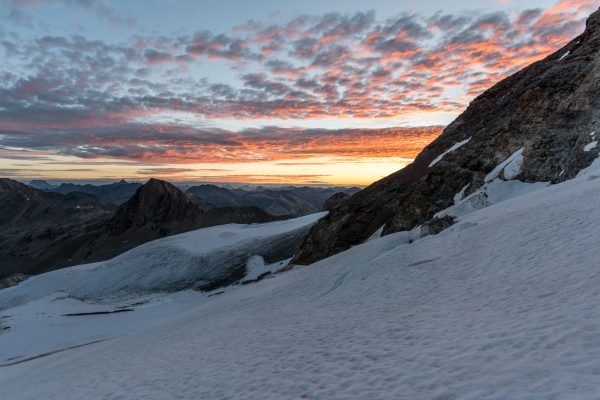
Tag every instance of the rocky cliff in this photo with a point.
(547, 115)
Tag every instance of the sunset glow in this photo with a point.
(342, 96)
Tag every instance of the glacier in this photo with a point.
(503, 304)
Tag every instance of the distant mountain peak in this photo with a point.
(159, 202)
(41, 184)
(159, 186)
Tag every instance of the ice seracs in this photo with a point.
(494, 192)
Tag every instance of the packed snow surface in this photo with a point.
(450, 150)
(505, 304)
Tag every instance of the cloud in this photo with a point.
(334, 65)
(85, 97)
(164, 171)
(271, 179)
(19, 8)
(175, 144)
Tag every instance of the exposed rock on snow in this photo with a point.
(437, 225)
(12, 280)
(376, 234)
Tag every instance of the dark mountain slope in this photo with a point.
(38, 228)
(550, 109)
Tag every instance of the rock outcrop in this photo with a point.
(335, 200)
(549, 111)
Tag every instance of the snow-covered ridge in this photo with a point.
(193, 259)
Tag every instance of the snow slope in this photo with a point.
(503, 305)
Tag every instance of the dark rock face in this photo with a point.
(156, 203)
(550, 109)
(335, 200)
(38, 228)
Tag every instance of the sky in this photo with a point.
(316, 92)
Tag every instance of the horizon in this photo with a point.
(320, 94)
(58, 182)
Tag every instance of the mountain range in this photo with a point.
(41, 231)
(289, 201)
(293, 201)
(115, 193)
